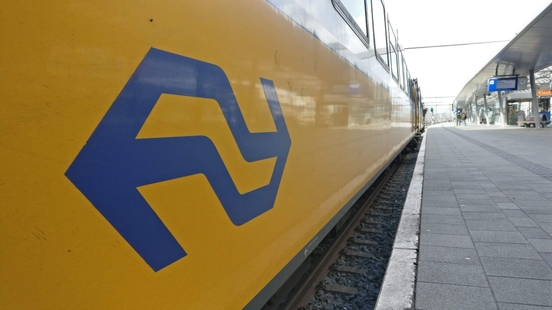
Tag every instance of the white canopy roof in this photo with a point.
(531, 49)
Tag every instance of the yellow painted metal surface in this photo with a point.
(62, 65)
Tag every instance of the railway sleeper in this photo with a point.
(384, 202)
(341, 289)
(370, 231)
(359, 254)
(383, 208)
(369, 222)
(365, 242)
(353, 270)
(380, 214)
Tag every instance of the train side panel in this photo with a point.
(133, 134)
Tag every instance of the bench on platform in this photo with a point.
(533, 123)
(526, 123)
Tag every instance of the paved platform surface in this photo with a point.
(486, 219)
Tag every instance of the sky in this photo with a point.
(443, 72)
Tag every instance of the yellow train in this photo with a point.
(187, 154)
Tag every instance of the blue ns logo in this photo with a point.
(113, 163)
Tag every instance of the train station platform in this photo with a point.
(485, 233)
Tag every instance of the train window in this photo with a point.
(380, 31)
(393, 53)
(354, 14)
(401, 66)
(408, 81)
(404, 75)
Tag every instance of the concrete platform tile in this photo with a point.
(434, 170)
(433, 272)
(504, 225)
(537, 210)
(500, 177)
(541, 218)
(533, 233)
(472, 196)
(454, 241)
(517, 188)
(455, 165)
(522, 291)
(541, 245)
(434, 161)
(448, 229)
(439, 196)
(525, 192)
(543, 189)
(484, 216)
(529, 195)
(547, 257)
(441, 211)
(547, 227)
(507, 250)
(438, 187)
(484, 181)
(533, 180)
(443, 219)
(498, 237)
(462, 178)
(540, 187)
(479, 208)
(458, 172)
(515, 213)
(469, 191)
(431, 296)
(532, 203)
(477, 202)
(516, 268)
(432, 193)
(435, 181)
(505, 181)
(440, 204)
(501, 199)
(507, 205)
(505, 306)
(470, 184)
(448, 255)
(435, 174)
(523, 222)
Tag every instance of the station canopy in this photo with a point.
(530, 50)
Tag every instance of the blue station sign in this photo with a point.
(502, 84)
(505, 84)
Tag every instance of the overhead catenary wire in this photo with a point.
(449, 45)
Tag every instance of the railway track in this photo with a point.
(347, 269)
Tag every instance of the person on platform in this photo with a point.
(458, 118)
(463, 116)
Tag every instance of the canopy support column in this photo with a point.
(535, 105)
(486, 114)
(502, 108)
